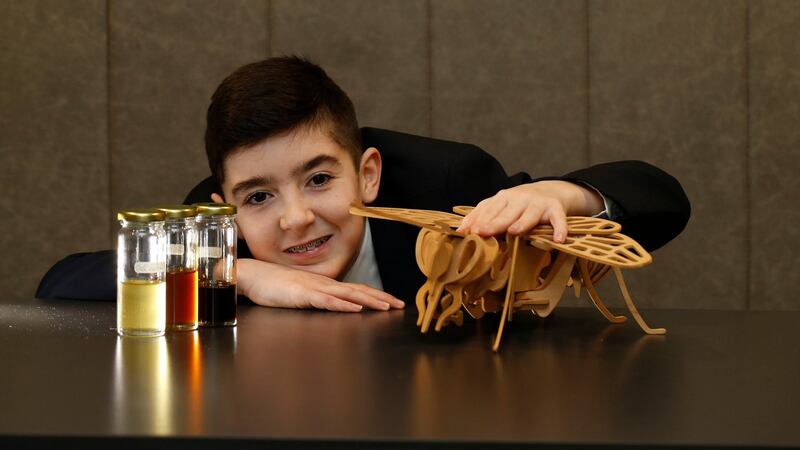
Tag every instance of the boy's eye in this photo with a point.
(320, 179)
(257, 198)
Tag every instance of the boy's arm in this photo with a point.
(649, 203)
(92, 276)
(274, 285)
(522, 207)
(652, 206)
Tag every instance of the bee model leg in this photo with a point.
(509, 294)
(451, 303)
(433, 254)
(587, 282)
(423, 294)
(545, 298)
(632, 308)
(434, 297)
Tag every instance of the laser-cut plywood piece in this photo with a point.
(512, 273)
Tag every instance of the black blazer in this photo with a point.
(426, 173)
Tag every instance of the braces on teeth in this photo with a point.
(311, 245)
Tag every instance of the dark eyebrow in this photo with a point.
(248, 184)
(312, 163)
(315, 162)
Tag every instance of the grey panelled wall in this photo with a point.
(103, 107)
(511, 78)
(774, 114)
(53, 136)
(376, 50)
(667, 85)
(165, 60)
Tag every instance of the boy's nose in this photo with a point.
(296, 215)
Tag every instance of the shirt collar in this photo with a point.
(365, 268)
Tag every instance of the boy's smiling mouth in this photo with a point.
(309, 246)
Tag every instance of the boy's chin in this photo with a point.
(325, 269)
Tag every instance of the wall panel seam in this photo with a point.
(269, 28)
(429, 30)
(747, 159)
(588, 81)
(109, 130)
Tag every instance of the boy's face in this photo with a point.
(293, 193)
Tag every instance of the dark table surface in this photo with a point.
(370, 380)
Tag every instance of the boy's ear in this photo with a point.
(216, 198)
(369, 174)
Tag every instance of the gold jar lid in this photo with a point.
(215, 209)
(141, 215)
(178, 211)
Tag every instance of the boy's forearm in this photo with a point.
(244, 276)
(578, 200)
(249, 273)
(592, 201)
(651, 204)
(270, 284)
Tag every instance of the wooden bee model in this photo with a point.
(512, 273)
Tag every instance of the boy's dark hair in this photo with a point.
(276, 95)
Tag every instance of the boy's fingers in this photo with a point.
(465, 222)
(384, 298)
(469, 219)
(393, 301)
(502, 221)
(331, 303)
(529, 219)
(367, 300)
(351, 293)
(558, 219)
(483, 213)
(378, 295)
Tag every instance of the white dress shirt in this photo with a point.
(365, 269)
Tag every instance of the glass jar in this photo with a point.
(141, 272)
(181, 231)
(216, 264)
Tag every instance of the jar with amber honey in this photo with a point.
(181, 232)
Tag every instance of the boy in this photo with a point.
(284, 147)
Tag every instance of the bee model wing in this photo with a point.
(616, 250)
(593, 239)
(575, 224)
(463, 210)
(433, 220)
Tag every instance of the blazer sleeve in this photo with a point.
(654, 208)
(86, 276)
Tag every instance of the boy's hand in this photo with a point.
(518, 209)
(271, 284)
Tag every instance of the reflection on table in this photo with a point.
(158, 382)
(718, 378)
